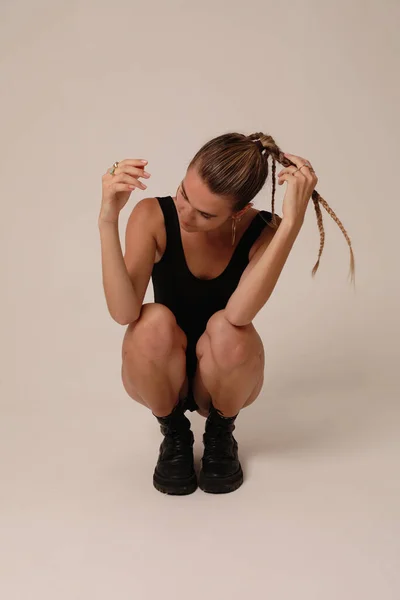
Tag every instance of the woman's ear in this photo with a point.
(242, 212)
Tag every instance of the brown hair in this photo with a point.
(232, 165)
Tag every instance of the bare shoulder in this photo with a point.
(147, 208)
(265, 237)
(147, 213)
(146, 216)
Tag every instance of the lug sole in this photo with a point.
(175, 487)
(221, 485)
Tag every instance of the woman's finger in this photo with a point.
(136, 172)
(124, 187)
(124, 178)
(289, 170)
(285, 177)
(297, 160)
(133, 162)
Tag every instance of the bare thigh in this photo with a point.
(203, 397)
(130, 337)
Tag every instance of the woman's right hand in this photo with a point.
(117, 188)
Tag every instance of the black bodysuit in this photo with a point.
(193, 300)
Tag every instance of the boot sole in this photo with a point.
(222, 485)
(178, 487)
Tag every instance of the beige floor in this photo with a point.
(317, 516)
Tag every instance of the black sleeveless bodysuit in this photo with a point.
(193, 300)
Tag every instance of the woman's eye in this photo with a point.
(183, 196)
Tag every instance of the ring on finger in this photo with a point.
(305, 165)
(115, 165)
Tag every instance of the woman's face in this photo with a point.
(199, 209)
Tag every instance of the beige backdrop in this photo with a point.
(88, 83)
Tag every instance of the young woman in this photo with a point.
(214, 261)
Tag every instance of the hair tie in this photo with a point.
(260, 145)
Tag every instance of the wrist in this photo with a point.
(291, 223)
(107, 222)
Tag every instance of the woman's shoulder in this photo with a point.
(152, 214)
(267, 232)
(155, 214)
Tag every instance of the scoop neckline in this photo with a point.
(228, 266)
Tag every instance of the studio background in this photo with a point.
(87, 83)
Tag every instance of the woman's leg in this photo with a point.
(230, 369)
(154, 374)
(229, 376)
(154, 360)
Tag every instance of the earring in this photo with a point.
(234, 230)
(237, 218)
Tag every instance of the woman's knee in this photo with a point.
(155, 334)
(232, 346)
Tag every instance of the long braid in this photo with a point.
(317, 199)
(321, 231)
(278, 156)
(274, 222)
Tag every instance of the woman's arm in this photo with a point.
(122, 302)
(261, 275)
(125, 279)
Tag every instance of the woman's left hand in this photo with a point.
(300, 187)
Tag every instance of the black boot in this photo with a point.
(174, 472)
(221, 470)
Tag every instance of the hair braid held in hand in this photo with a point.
(232, 165)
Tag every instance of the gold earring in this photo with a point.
(233, 230)
(234, 219)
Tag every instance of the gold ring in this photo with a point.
(115, 165)
(307, 164)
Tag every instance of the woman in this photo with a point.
(214, 261)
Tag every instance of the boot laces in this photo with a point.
(177, 438)
(219, 441)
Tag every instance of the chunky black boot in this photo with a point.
(174, 472)
(221, 470)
